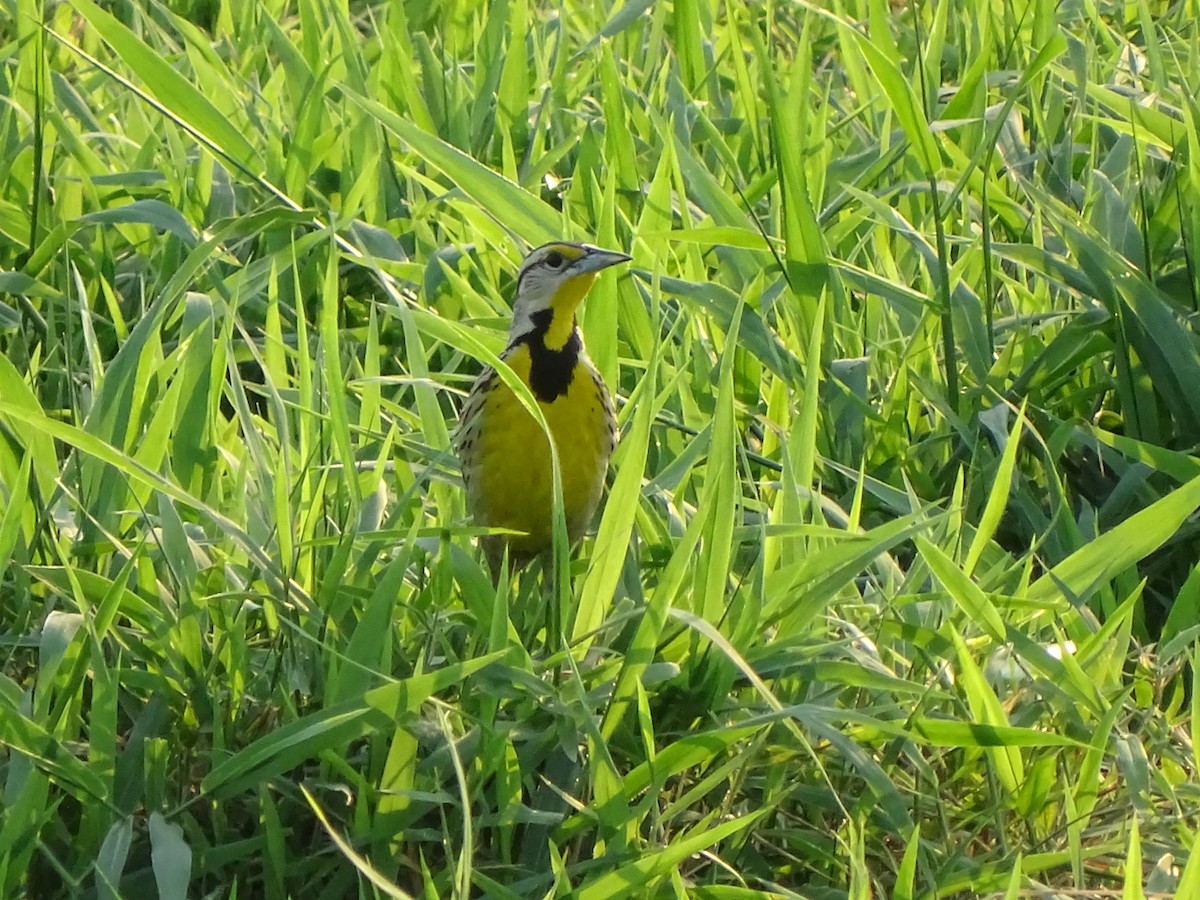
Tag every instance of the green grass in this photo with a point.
(895, 593)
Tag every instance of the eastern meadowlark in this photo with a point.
(504, 453)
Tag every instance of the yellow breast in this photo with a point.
(506, 458)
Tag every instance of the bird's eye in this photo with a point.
(554, 260)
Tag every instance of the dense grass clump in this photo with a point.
(895, 592)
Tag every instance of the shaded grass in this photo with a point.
(906, 373)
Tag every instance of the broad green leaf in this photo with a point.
(171, 858)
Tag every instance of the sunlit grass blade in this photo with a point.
(1089, 567)
(361, 863)
(616, 526)
(970, 598)
(253, 255)
(523, 213)
(646, 871)
(1006, 760)
(178, 96)
(333, 727)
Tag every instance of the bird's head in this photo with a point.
(551, 282)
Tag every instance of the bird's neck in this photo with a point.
(552, 331)
(558, 331)
(556, 324)
(551, 367)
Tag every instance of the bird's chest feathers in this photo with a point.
(551, 368)
(571, 396)
(510, 457)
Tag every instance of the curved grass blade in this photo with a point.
(518, 210)
(333, 727)
(182, 100)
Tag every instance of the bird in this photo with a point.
(503, 451)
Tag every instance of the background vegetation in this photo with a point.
(896, 592)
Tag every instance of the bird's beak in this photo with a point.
(596, 259)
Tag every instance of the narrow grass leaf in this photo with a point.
(1013, 891)
(360, 862)
(365, 653)
(993, 511)
(1094, 564)
(16, 522)
(616, 526)
(803, 244)
(985, 707)
(897, 87)
(154, 213)
(712, 235)
(907, 873)
(110, 861)
(333, 727)
(1180, 466)
(31, 740)
(968, 595)
(1189, 879)
(639, 875)
(181, 99)
(40, 447)
(1133, 863)
(510, 204)
(723, 304)
(948, 733)
(331, 367)
(718, 504)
